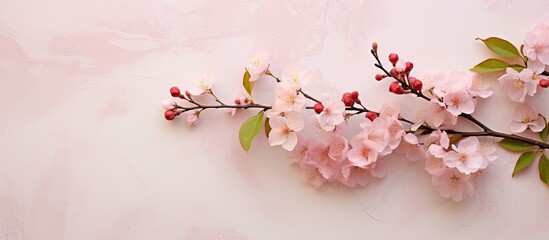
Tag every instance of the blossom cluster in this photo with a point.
(453, 158)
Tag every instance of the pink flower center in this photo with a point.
(519, 84)
(454, 181)
(463, 157)
(538, 47)
(286, 131)
(290, 99)
(365, 152)
(456, 100)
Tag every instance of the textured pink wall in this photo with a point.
(86, 154)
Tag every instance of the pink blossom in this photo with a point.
(456, 81)
(395, 130)
(438, 143)
(319, 157)
(459, 101)
(410, 148)
(353, 176)
(378, 168)
(301, 151)
(390, 110)
(287, 99)
(376, 132)
(258, 65)
(295, 77)
(311, 175)
(332, 115)
(453, 184)
(363, 151)
(488, 151)
(338, 147)
(479, 88)
(526, 116)
(203, 85)
(434, 164)
(284, 130)
(436, 115)
(517, 85)
(192, 117)
(537, 67)
(168, 104)
(536, 43)
(465, 156)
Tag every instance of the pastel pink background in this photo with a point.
(86, 154)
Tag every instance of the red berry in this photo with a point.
(318, 107)
(374, 45)
(371, 115)
(409, 66)
(393, 58)
(237, 101)
(354, 95)
(170, 115)
(544, 83)
(395, 88)
(380, 77)
(417, 84)
(175, 92)
(346, 95)
(394, 72)
(348, 101)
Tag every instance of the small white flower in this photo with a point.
(283, 130)
(203, 85)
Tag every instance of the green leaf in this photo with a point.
(524, 161)
(501, 47)
(249, 86)
(543, 133)
(543, 167)
(267, 127)
(517, 67)
(515, 146)
(249, 129)
(490, 65)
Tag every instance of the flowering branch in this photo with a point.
(406, 88)
(454, 158)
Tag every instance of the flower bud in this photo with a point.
(188, 94)
(371, 116)
(168, 104)
(380, 77)
(175, 92)
(348, 101)
(394, 72)
(395, 88)
(374, 45)
(237, 101)
(318, 107)
(393, 58)
(354, 95)
(409, 66)
(544, 83)
(170, 115)
(416, 84)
